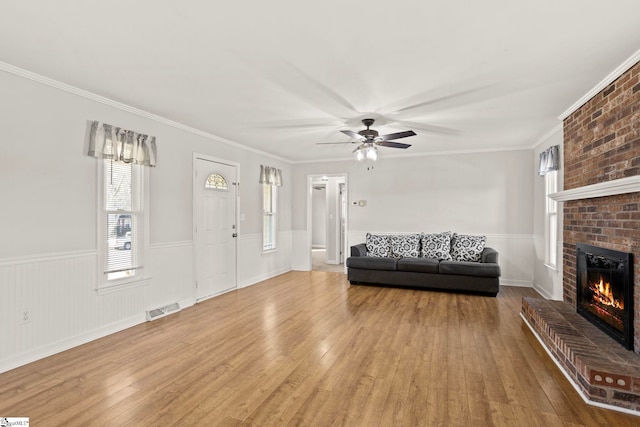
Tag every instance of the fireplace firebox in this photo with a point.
(605, 290)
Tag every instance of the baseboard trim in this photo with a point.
(257, 279)
(517, 283)
(300, 267)
(543, 292)
(69, 343)
(188, 302)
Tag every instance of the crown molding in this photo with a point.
(21, 72)
(622, 68)
(602, 189)
(542, 139)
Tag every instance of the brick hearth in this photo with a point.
(600, 368)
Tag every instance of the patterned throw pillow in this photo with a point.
(405, 246)
(378, 246)
(467, 248)
(437, 246)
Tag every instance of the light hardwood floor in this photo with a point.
(306, 348)
(318, 257)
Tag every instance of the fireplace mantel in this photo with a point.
(610, 188)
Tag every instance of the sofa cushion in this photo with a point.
(405, 245)
(372, 263)
(467, 248)
(378, 245)
(437, 246)
(420, 265)
(463, 268)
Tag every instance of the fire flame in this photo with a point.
(602, 294)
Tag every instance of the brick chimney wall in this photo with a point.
(602, 143)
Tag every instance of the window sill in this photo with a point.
(551, 267)
(269, 251)
(122, 286)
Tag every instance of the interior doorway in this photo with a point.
(327, 222)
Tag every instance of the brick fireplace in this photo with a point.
(602, 144)
(601, 198)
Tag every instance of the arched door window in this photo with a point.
(215, 181)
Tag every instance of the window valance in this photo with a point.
(270, 175)
(549, 160)
(121, 145)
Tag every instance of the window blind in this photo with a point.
(123, 219)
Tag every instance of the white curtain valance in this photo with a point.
(549, 160)
(121, 145)
(270, 175)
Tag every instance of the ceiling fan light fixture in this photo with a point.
(369, 139)
(372, 153)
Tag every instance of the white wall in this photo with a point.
(319, 219)
(48, 219)
(474, 193)
(547, 281)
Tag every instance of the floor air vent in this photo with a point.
(157, 313)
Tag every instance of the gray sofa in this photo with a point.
(417, 272)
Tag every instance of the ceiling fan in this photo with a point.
(371, 136)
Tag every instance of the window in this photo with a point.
(123, 222)
(551, 226)
(269, 203)
(216, 181)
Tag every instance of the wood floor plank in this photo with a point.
(305, 349)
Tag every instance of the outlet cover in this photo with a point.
(25, 315)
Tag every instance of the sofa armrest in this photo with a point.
(489, 255)
(359, 250)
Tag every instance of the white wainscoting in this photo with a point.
(254, 265)
(173, 275)
(66, 311)
(547, 280)
(516, 258)
(301, 255)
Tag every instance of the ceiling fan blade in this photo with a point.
(397, 135)
(461, 97)
(325, 89)
(428, 128)
(298, 124)
(345, 142)
(302, 85)
(393, 144)
(353, 134)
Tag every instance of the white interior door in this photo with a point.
(215, 234)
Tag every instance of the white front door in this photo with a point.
(215, 234)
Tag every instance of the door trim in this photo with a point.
(194, 221)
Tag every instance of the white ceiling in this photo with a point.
(283, 75)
